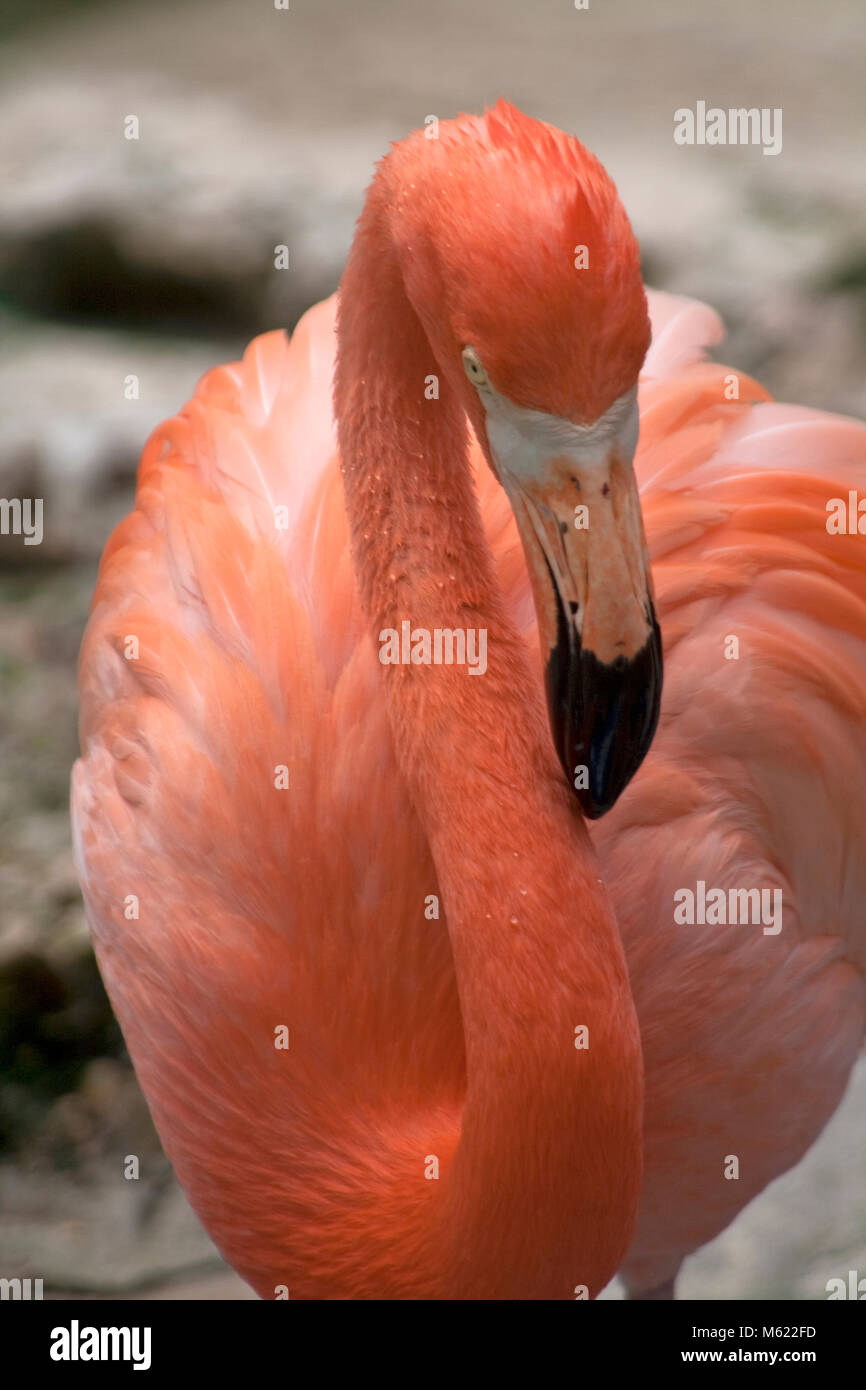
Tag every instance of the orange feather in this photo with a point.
(224, 906)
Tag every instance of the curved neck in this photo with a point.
(540, 1194)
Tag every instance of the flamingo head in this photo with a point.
(521, 264)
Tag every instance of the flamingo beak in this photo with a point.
(582, 531)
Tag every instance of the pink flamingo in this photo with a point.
(348, 913)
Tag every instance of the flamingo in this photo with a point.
(389, 999)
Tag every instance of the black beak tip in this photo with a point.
(603, 717)
(593, 805)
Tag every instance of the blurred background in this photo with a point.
(154, 258)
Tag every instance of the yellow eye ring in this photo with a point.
(473, 368)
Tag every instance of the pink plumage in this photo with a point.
(235, 579)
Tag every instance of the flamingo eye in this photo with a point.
(473, 368)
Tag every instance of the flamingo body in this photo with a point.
(252, 858)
